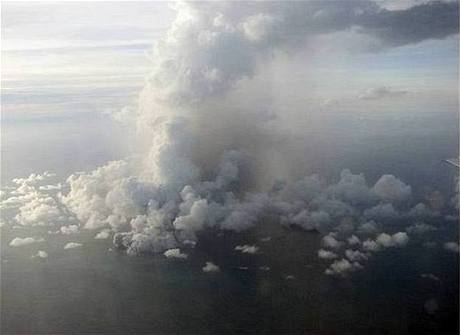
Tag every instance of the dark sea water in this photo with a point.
(93, 290)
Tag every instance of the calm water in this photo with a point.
(98, 291)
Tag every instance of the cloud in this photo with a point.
(382, 212)
(353, 240)
(19, 242)
(73, 245)
(190, 174)
(206, 42)
(421, 211)
(102, 235)
(342, 267)
(396, 240)
(175, 253)
(431, 20)
(247, 249)
(390, 188)
(352, 188)
(368, 228)
(210, 267)
(355, 255)
(40, 254)
(452, 246)
(370, 245)
(381, 92)
(68, 230)
(50, 187)
(325, 254)
(420, 228)
(329, 241)
(36, 207)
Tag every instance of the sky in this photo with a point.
(61, 52)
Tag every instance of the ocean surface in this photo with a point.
(97, 290)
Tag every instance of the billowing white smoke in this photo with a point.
(160, 198)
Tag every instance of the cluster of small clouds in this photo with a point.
(36, 201)
(356, 252)
(145, 217)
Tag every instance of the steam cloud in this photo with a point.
(183, 180)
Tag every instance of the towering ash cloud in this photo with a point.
(161, 198)
(195, 165)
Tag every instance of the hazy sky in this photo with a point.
(58, 53)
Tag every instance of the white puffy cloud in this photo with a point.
(330, 241)
(390, 188)
(210, 267)
(395, 240)
(247, 249)
(370, 245)
(39, 210)
(19, 242)
(383, 211)
(258, 27)
(368, 228)
(35, 205)
(73, 245)
(420, 211)
(353, 240)
(175, 253)
(40, 254)
(102, 235)
(68, 230)
(326, 254)
(355, 255)
(342, 267)
(352, 188)
(50, 187)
